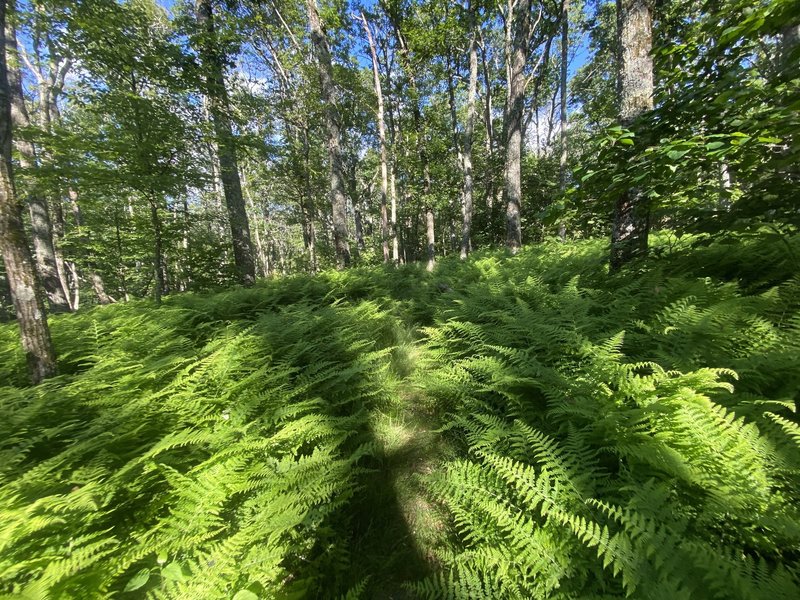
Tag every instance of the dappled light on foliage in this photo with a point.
(601, 435)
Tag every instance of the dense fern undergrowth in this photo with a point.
(627, 435)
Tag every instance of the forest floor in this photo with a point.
(298, 439)
(400, 527)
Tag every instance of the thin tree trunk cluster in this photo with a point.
(19, 265)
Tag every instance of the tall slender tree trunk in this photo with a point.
(635, 85)
(158, 259)
(396, 256)
(382, 140)
(518, 56)
(430, 229)
(472, 89)
(97, 281)
(42, 227)
(489, 188)
(451, 92)
(393, 217)
(359, 230)
(28, 305)
(308, 208)
(58, 235)
(338, 194)
(430, 238)
(219, 107)
(259, 246)
(5, 299)
(562, 228)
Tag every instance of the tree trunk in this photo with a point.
(5, 298)
(42, 227)
(518, 55)
(100, 289)
(261, 269)
(97, 280)
(219, 107)
(158, 270)
(451, 92)
(487, 117)
(487, 107)
(396, 256)
(28, 304)
(393, 218)
(430, 234)
(376, 77)
(309, 203)
(359, 225)
(338, 194)
(58, 235)
(635, 85)
(562, 228)
(466, 241)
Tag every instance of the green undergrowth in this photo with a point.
(504, 427)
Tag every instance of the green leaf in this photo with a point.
(174, 572)
(677, 154)
(245, 595)
(626, 142)
(714, 145)
(137, 581)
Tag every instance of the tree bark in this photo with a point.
(430, 234)
(58, 235)
(308, 208)
(382, 140)
(489, 190)
(451, 92)
(28, 305)
(97, 281)
(472, 89)
(338, 195)
(42, 227)
(158, 270)
(635, 85)
(219, 107)
(562, 228)
(518, 56)
(396, 256)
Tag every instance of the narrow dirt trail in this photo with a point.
(403, 526)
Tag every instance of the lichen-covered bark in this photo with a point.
(635, 86)
(28, 304)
